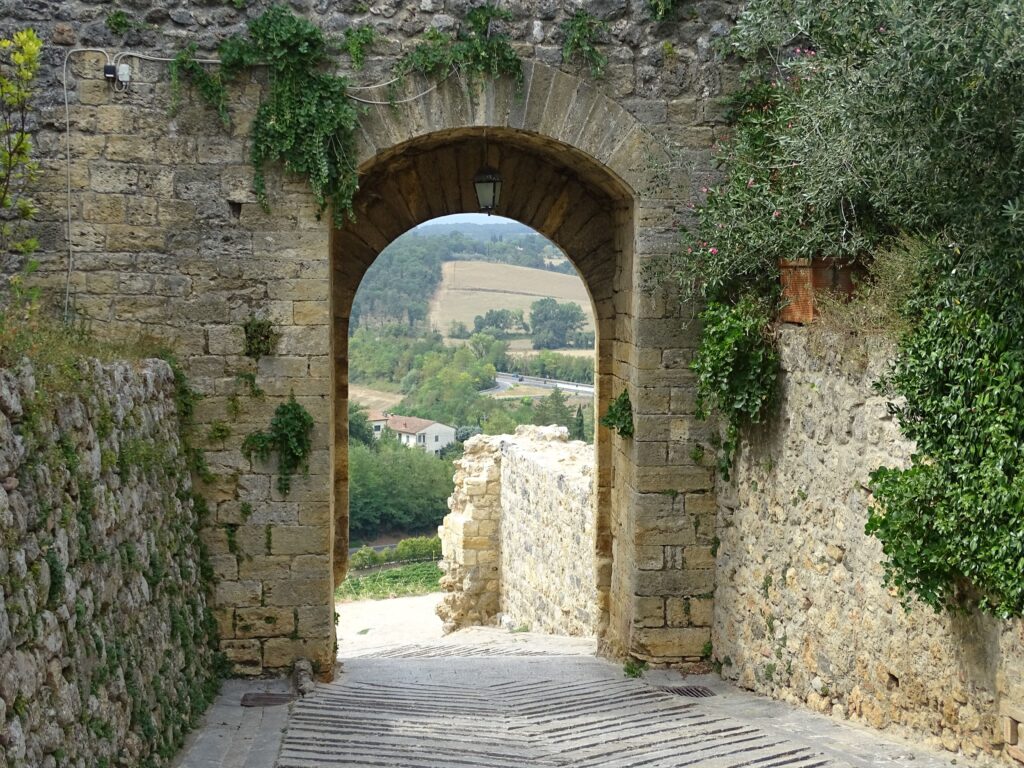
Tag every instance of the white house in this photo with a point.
(422, 433)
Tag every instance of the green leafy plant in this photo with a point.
(879, 119)
(619, 415)
(306, 120)
(661, 9)
(476, 51)
(580, 32)
(118, 22)
(290, 435)
(249, 381)
(19, 65)
(634, 668)
(260, 339)
(219, 432)
(736, 368)
(210, 85)
(357, 41)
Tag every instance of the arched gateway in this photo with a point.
(170, 241)
(580, 169)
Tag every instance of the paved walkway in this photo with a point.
(486, 698)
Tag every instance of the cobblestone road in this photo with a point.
(489, 699)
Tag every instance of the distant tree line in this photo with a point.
(444, 383)
(552, 325)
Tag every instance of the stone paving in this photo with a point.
(492, 699)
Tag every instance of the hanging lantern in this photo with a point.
(488, 189)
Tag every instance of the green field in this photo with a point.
(401, 581)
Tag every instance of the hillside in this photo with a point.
(470, 288)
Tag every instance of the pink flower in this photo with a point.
(750, 182)
(704, 190)
(776, 214)
(713, 251)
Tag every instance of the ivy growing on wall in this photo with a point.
(307, 121)
(290, 436)
(476, 51)
(861, 122)
(581, 31)
(619, 416)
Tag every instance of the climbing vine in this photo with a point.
(260, 337)
(581, 31)
(290, 435)
(736, 368)
(357, 41)
(307, 121)
(476, 51)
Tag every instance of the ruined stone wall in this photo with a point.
(470, 542)
(519, 545)
(800, 610)
(105, 654)
(548, 535)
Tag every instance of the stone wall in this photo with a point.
(519, 545)
(800, 610)
(548, 536)
(105, 636)
(169, 241)
(470, 538)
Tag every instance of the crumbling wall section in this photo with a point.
(519, 545)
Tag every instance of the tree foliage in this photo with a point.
(396, 488)
(554, 324)
(863, 122)
(359, 428)
(19, 64)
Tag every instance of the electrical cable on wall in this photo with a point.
(120, 79)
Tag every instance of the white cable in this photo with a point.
(375, 85)
(398, 101)
(67, 157)
(122, 87)
(147, 57)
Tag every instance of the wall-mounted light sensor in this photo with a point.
(109, 72)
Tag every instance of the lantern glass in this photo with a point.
(488, 189)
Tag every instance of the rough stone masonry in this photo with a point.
(801, 612)
(519, 544)
(106, 651)
(169, 241)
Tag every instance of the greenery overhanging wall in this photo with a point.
(877, 132)
(307, 120)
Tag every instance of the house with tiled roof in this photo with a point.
(431, 436)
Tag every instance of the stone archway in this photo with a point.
(578, 168)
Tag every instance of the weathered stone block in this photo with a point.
(264, 621)
(670, 643)
(238, 593)
(297, 592)
(299, 540)
(674, 583)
